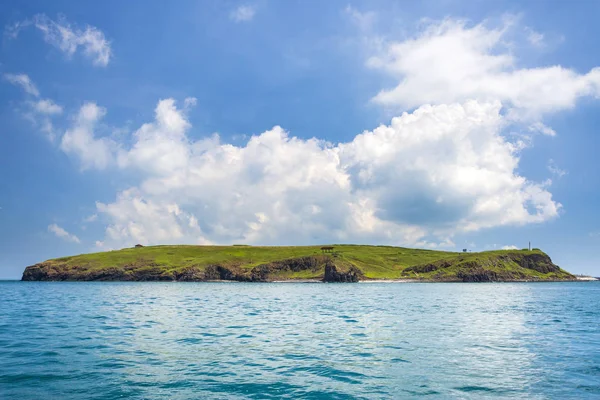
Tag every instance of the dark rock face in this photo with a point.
(490, 269)
(51, 272)
(191, 274)
(478, 275)
(429, 267)
(153, 272)
(35, 273)
(109, 274)
(150, 273)
(537, 262)
(262, 272)
(333, 275)
(220, 273)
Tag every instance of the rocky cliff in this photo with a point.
(345, 264)
(324, 265)
(512, 266)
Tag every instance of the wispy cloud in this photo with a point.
(47, 106)
(534, 38)
(63, 234)
(37, 111)
(24, 82)
(555, 170)
(67, 38)
(12, 31)
(539, 127)
(243, 13)
(91, 218)
(364, 20)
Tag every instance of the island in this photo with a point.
(330, 263)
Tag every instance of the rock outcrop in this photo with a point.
(55, 272)
(512, 266)
(430, 267)
(265, 272)
(220, 273)
(37, 272)
(536, 261)
(47, 271)
(333, 274)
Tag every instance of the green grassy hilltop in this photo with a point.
(268, 263)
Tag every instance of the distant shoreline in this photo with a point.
(368, 281)
(587, 278)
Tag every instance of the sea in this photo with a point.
(103, 340)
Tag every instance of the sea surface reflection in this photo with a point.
(286, 340)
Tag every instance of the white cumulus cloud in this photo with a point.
(430, 174)
(80, 140)
(450, 61)
(63, 234)
(444, 168)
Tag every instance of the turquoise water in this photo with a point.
(314, 341)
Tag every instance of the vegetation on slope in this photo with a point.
(268, 263)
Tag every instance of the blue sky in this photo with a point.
(443, 124)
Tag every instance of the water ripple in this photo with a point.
(309, 341)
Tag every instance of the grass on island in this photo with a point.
(376, 262)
